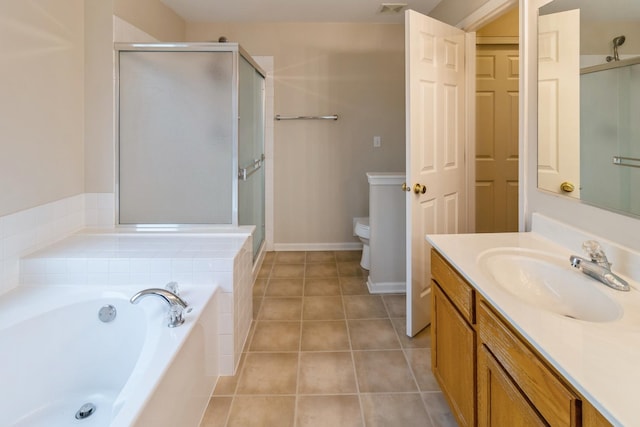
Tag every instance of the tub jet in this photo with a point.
(85, 411)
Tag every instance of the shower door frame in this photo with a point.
(236, 50)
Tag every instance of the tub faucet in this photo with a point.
(176, 304)
(598, 267)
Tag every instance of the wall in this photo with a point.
(615, 227)
(353, 70)
(152, 17)
(596, 40)
(507, 25)
(99, 101)
(41, 102)
(454, 11)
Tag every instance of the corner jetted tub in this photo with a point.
(61, 365)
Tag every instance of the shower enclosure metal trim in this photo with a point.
(236, 52)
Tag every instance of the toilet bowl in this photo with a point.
(363, 232)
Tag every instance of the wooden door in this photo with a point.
(497, 76)
(436, 131)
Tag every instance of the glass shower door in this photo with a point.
(251, 177)
(175, 137)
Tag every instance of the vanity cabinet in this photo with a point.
(453, 337)
(489, 374)
(523, 385)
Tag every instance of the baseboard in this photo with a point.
(386, 287)
(350, 246)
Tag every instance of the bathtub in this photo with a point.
(56, 355)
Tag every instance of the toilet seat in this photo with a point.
(362, 228)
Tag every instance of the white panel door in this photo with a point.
(436, 132)
(559, 93)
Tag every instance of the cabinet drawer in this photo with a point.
(460, 293)
(555, 401)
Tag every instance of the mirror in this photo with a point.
(589, 102)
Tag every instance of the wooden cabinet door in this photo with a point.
(500, 402)
(453, 357)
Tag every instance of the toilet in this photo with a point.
(363, 232)
(383, 234)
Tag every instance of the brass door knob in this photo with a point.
(419, 189)
(567, 187)
(405, 187)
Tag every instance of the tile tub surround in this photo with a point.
(324, 352)
(152, 259)
(29, 230)
(598, 359)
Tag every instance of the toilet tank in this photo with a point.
(387, 219)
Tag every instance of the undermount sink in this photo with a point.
(549, 283)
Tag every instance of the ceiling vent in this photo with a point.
(392, 7)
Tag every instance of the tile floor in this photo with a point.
(322, 351)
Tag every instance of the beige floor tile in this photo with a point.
(324, 336)
(321, 269)
(421, 340)
(420, 363)
(265, 271)
(269, 257)
(284, 287)
(322, 286)
(322, 308)
(328, 411)
(226, 386)
(321, 346)
(290, 257)
(396, 305)
(348, 256)
(320, 256)
(372, 334)
(364, 307)
(276, 336)
(259, 286)
(268, 373)
(257, 304)
(354, 286)
(438, 410)
(281, 308)
(392, 410)
(383, 371)
(262, 411)
(287, 271)
(326, 373)
(350, 268)
(217, 412)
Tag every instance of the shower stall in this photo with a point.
(190, 150)
(610, 135)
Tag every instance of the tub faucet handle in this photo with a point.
(173, 287)
(175, 316)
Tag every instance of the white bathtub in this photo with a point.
(56, 355)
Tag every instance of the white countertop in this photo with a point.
(601, 360)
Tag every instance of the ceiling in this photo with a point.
(294, 10)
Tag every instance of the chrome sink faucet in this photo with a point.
(598, 267)
(176, 304)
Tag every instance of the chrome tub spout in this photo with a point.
(176, 304)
